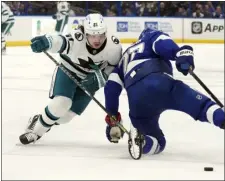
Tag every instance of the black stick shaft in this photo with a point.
(206, 88)
(64, 69)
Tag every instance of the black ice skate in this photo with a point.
(30, 137)
(135, 143)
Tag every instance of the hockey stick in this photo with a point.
(64, 69)
(205, 87)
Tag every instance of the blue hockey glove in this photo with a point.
(113, 132)
(40, 43)
(185, 59)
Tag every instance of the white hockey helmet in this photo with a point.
(94, 24)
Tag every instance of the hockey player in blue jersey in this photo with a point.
(146, 73)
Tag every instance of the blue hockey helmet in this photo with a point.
(144, 32)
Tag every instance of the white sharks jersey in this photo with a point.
(77, 56)
(7, 15)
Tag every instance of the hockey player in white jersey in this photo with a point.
(84, 48)
(7, 23)
(61, 16)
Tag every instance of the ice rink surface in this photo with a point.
(80, 150)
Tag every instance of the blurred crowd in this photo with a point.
(202, 9)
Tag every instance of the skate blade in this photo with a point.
(135, 143)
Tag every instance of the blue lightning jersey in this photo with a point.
(151, 54)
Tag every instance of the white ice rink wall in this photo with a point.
(127, 29)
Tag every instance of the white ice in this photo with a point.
(80, 150)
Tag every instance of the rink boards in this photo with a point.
(127, 29)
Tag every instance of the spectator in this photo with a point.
(110, 13)
(153, 10)
(197, 14)
(128, 12)
(207, 13)
(181, 12)
(141, 9)
(22, 9)
(162, 9)
(211, 7)
(113, 10)
(172, 8)
(15, 7)
(218, 13)
(138, 5)
(200, 8)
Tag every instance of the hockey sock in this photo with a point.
(213, 114)
(152, 146)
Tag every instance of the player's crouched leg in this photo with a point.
(40, 124)
(152, 145)
(154, 139)
(197, 105)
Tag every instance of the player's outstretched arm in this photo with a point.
(52, 43)
(167, 49)
(112, 91)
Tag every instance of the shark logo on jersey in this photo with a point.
(79, 36)
(86, 63)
